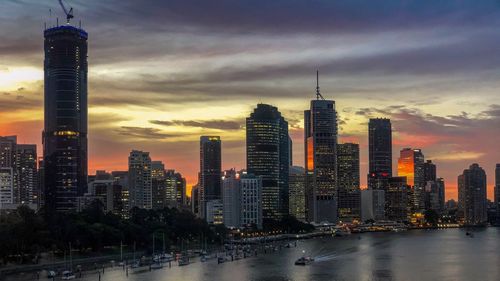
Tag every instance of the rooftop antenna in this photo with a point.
(318, 94)
(69, 14)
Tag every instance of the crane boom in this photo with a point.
(69, 14)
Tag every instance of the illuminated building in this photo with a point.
(411, 166)
(176, 189)
(65, 119)
(158, 185)
(472, 195)
(121, 190)
(297, 193)
(210, 171)
(215, 212)
(26, 173)
(140, 183)
(380, 152)
(398, 199)
(320, 151)
(434, 195)
(6, 187)
(348, 181)
(107, 190)
(267, 153)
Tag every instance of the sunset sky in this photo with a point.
(162, 73)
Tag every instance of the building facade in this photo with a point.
(372, 204)
(65, 118)
(267, 155)
(379, 152)
(348, 181)
(320, 151)
(210, 171)
(297, 192)
(472, 195)
(140, 181)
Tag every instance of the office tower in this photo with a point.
(195, 199)
(429, 171)
(297, 192)
(231, 198)
(6, 187)
(497, 192)
(472, 195)
(214, 211)
(348, 181)
(434, 195)
(320, 151)
(8, 146)
(397, 199)
(175, 186)
(411, 166)
(380, 152)
(267, 149)
(65, 119)
(210, 171)
(102, 185)
(251, 200)
(158, 185)
(372, 204)
(26, 173)
(121, 183)
(140, 183)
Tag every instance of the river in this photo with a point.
(442, 255)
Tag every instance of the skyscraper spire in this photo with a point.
(318, 94)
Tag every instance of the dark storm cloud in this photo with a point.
(208, 124)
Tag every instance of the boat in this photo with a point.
(68, 275)
(221, 260)
(157, 265)
(183, 261)
(304, 261)
(51, 274)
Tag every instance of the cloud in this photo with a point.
(144, 133)
(207, 124)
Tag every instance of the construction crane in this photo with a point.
(69, 14)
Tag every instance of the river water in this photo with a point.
(413, 255)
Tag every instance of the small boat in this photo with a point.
(51, 274)
(183, 261)
(304, 261)
(221, 260)
(135, 264)
(68, 275)
(156, 265)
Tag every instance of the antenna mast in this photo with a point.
(69, 14)
(318, 94)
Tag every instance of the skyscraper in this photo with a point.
(158, 185)
(140, 182)
(26, 171)
(380, 152)
(472, 195)
(267, 147)
(65, 128)
(297, 193)
(320, 151)
(210, 171)
(429, 171)
(348, 181)
(397, 199)
(411, 166)
(6, 187)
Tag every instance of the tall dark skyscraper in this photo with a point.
(320, 151)
(380, 152)
(472, 195)
(65, 131)
(429, 171)
(268, 156)
(348, 181)
(210, 171)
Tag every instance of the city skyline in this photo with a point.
(168, 126)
